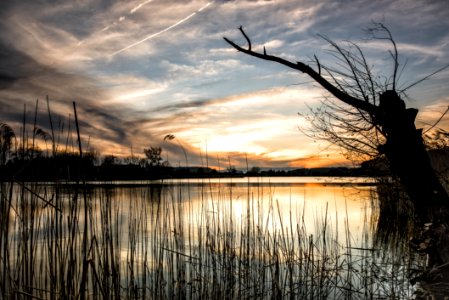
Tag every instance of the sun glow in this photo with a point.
(139, 94)
(239, 136)
(234, 143)
(287, 154)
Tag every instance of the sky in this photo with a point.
(139, 70)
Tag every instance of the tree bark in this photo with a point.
(408, 158)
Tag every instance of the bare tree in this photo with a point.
(154, 156)
(366, 115)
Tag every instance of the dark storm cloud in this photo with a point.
(14, 65)
(77, 17)
(23, 80)
(5, 7)
(158, 124)
(6, 81)
(109, 120)
(191, 104)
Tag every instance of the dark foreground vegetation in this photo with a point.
(157, 242)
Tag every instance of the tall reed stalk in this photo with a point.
(160, 241)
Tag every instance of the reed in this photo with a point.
(157, 241)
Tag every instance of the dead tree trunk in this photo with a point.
(404, 147)
(408, 158)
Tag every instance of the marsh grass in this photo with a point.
(156, 242)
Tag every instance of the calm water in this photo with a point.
(345, 203)
(281, 201)
(314, 232)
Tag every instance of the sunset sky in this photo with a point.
(139, 70)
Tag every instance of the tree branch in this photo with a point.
(300, 66)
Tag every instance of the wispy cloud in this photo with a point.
(141, 69)
(162, 31)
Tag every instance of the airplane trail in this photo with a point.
(139, 6)
(162, 31)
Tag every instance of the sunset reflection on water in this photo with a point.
(277, 203)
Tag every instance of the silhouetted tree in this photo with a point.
(109, 160)
(231, 170)
(367, 116)
(254, 170)
(131, 160)
(154, 156)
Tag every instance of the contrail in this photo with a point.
(139, 6)
(121, 18)
(162, 31)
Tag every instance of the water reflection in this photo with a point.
(399, 229)
(344, 202)
(239, 237)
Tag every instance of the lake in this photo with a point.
(258, 237)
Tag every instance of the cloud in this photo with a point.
(33, 80)
(431, 114)
(173, 73)
(161, 31)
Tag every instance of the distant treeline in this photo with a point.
(71, 167)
